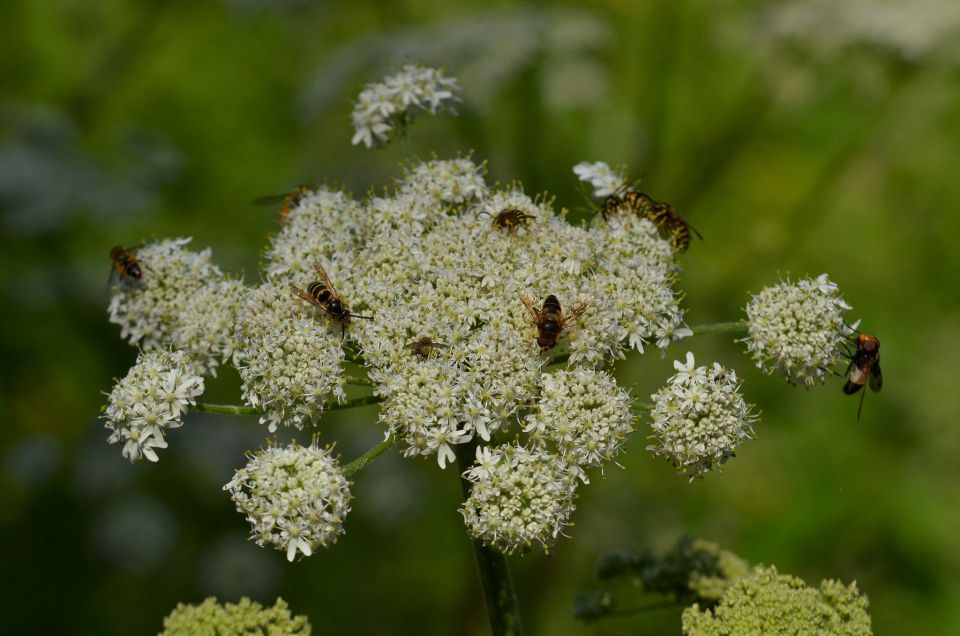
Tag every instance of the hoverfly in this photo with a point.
(323, 295)
(864, 368)
(550, 320)
(424, 346)
(287, 201)
(660, 214)
(125, 262)
(510, 219)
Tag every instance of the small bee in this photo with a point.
(287, 201)
(322, 294)
(510, 219)
(864, 368)
(424, 346)
(550, 320)
(125, 262)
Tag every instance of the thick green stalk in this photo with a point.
(492, 565)
(227, 409)
(735, 326)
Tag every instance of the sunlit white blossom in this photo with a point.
(798, 329)
(295, 498)
(520, 498)
(699, 418)
(150, 400)
(604, 179)
(149, 309)
(584, 414)
(381, 107)
(289, 357)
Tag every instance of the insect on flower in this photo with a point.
(864, 368)
(660, 214)
(424, 346)
(550, 320)
(510, 219)
(125, 262)
(322, 294)
(287, 201)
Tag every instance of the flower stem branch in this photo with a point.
(226, 409)
(710, 329)
(492, 565)
(360, 462)
(355, 402)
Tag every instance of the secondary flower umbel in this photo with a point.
(294, 497)
(699, 418)
(150, 400)
(798, 329)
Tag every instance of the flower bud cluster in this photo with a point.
(295, 498)
(584, 414)
(289, 358)
(520, 498)
(798, 329)
(150, 400)
(392, 103)
(699, 418)
(246, 618)
(767, 602)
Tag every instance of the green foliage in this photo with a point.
(245, 618)
(770, 603)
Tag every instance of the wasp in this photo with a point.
(125, 262)
(864, 368)
(322, 294)
(510, 219)
(550, 320)
(287, 201)
(660, 214)
(424, 346)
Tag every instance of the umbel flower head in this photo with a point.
(770, 603)
(290, 362)
(520, 497)
(182, 301)
(295, 497)
(584, 414)
(797, 329)
(392, 103)
(699, 418)
(245, 618)
(150, 400)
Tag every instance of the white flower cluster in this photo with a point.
(392, 103)
(448, 271)
(604, 179)
(798, 329)
(182, 301)
(295, 498)
(699, 418)
(289, 358)
(520, 498)
(150, 400)
(584, 414)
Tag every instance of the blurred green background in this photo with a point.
(798, 139)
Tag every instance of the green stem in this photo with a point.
(735, 326)
(360, 462)
(355, 402)
(492, 565)
(227, 409)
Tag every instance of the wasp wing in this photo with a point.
(575, 312)
(530, 303)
